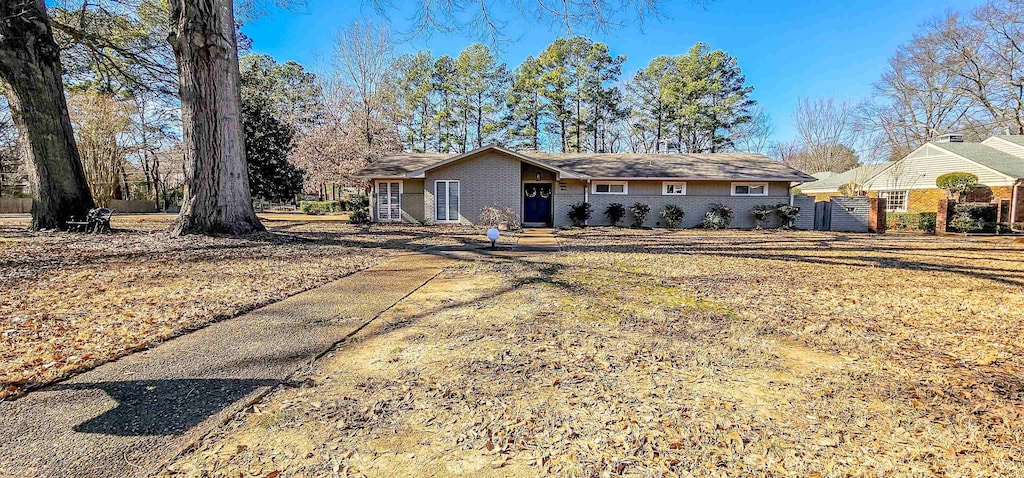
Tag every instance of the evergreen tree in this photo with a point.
(416, 105)
(524, 105)
(444, 78)
(483, 84)
(268, 142)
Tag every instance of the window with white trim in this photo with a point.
(676, 188)
(389, 201)
(749, 189)
(446, 201)
(895, 201)
(610, 187)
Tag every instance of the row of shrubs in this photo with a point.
(318, 208)
(911, 222)
(718, 216)
(358, 208)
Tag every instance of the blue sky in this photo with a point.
(786, 49)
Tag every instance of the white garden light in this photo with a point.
(493, 235)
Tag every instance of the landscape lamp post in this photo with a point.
(493, 235)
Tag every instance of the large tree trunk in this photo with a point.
(216, 196)
(30, 65)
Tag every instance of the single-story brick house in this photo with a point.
(541, 187)
(908, 184)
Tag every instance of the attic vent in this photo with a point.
(950, 138)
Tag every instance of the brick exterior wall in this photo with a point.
(699, 196)
(491, 178)
(927, 200)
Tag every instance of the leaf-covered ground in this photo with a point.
(655, 353)
(69, 302)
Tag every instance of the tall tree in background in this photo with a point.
(917, 99)
(101, 124)
(285, 90)
(416, 106)
(708, 96)
(363, 54)
(752, 136)
(649, 103)
(483, 82)
(30, 66)
(524, 106)
(826, 130)
(444, 85)
(217, 196)
(279, 101)
(575, 83)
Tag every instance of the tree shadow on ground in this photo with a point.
(162, 407)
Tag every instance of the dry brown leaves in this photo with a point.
(72, 301)
(669, 354)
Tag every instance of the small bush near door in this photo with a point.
(672, 215)
(615, 212)
(503, 219)
(579, 213)
(639, 212)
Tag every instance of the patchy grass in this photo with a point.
(651, 353)
(69, 302)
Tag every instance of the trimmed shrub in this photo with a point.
(973, 217)
(923, 222)
(787, 214)
(718, 217)
(318, 208)
(360, 209)
(639, 211)
(615, 212)
(494, 216)
(580, 212)
(672, 215)
(957, 183)
(761, 213)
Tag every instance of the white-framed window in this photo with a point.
(675, 188)
(895, 201)
(446, 201)
(749, 189)
(389, 201)
(610, 187)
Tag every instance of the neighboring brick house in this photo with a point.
(541, 187)
(908, 184)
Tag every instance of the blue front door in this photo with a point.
(537, 203)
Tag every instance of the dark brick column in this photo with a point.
(876, 215)
(942, 216)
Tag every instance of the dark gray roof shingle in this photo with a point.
(714, 166)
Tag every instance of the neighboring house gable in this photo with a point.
(920, 169)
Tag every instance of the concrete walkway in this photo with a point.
(129, 416)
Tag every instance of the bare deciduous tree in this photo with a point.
(825, 128)
(363, 54)
(752, 136)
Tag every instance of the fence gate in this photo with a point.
(822, 216)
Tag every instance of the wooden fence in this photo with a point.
(15, 205)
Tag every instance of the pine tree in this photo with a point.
(443, 81)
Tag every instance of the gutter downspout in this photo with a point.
(1015, 200)
(586, 198)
